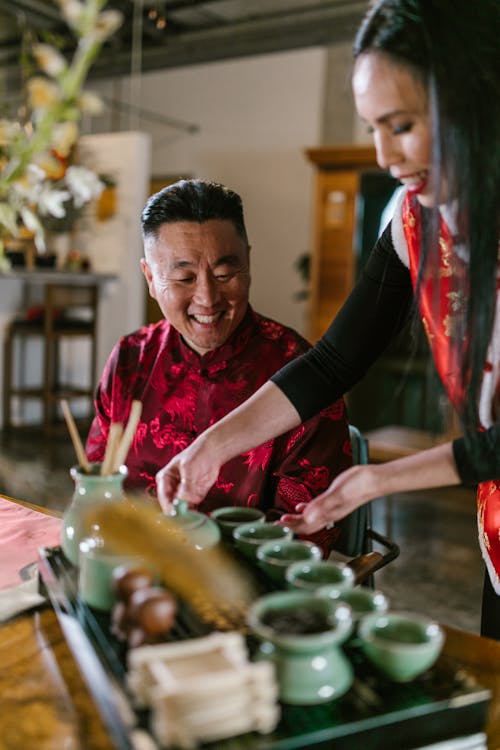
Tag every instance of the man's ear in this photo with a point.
(148, 275)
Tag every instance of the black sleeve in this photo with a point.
(478, 458)
(375, 311)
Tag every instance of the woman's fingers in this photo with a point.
(298, 524)
(346, 493)
(188, 476)
(168, 482)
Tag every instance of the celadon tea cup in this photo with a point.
(249, 536)
(361, 599)
(301, 634)
(231, 516)
(312, 574)
(401, 645)
(275, 557)
(96, 566)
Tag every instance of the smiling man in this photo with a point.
(210, 353)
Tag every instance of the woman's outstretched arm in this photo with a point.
(434, 467)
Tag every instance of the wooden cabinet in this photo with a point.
(350, 195)
(339, 172)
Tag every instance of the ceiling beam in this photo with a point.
(36, 9)
(305, 27)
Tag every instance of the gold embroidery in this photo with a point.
(447, 325)
(456, 301)
(427, 329)
(445, 251)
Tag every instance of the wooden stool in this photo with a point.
(55, 324)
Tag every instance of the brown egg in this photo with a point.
(153, 610)
(126, 580)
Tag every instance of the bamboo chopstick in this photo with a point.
(75, 437)
(114, 437)
(128, 435)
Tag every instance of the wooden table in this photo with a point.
(45, 704)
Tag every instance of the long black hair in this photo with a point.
(452, 48)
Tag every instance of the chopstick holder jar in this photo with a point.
(91, 489)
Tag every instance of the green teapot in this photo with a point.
(199, 529)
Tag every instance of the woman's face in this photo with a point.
(395, 106)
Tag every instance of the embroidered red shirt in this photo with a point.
(183, 393)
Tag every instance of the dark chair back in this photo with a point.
(356, 536)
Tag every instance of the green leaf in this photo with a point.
(8, 218)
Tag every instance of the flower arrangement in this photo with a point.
(38, 184)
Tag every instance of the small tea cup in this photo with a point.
(275, 557)
(361, 599)
(249, 536)
(311, 574)
(96, 565)
(401, 645)
(231, 516)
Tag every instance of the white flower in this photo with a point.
(49, 59)
(64, 136)
(33, 223)
(91, 103)
(30, 220)
(83, 184)
(8, 131)
(51, 201)
(42, 93)
(107, 23)
(35, 185)
(73, 11)
(35, 173)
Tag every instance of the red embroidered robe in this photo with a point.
(438, 294)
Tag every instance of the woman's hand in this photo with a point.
(434, 467)
(188, 476)
(347, 492)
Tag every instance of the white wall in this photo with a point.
(115, 246)
(256, 116)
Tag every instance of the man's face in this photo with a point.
(199, 275)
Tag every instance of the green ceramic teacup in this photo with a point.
(312, 574)
(249, 536)
(231, 516)
(361, 599)
(275, 557)
(301, 633)
(402, 645)
(96, 571)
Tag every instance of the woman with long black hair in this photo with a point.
(426, 81)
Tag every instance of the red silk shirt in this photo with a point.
(183, 393)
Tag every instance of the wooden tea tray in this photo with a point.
(374, 714)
